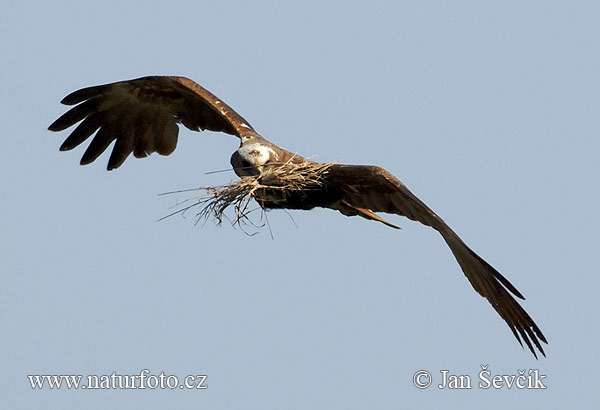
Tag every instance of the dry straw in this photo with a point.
(275, 180)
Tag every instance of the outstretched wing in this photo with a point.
(142, 116)
(374, 188)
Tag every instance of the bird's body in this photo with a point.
(141, 115)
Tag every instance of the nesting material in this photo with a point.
(288, 177)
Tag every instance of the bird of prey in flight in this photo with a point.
(142, 117)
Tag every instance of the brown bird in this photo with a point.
(142, 117)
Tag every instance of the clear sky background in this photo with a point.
(488, 112)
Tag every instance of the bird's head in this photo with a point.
(249, 159)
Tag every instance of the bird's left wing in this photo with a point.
(142, 116)
(375, 189)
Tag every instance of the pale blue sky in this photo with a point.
(488, 112)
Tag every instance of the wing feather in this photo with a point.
(145, 111)
(376, 189)
(75, 114)
(99, 143)
(84, 93)
(169, 141)
(123, 148)
(83, 131)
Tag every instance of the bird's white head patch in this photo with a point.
(249, 159)
(256, 154)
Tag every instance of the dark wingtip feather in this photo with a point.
(59, 124)
(83, 94)
(103, 138)
(522, 326)
(75, 114)
(117, 158)
(507, 284)
(82, 132)
(499, 276)
(124, 146)
(540, 335)
(89, 157)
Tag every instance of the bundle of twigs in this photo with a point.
(287, 177)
